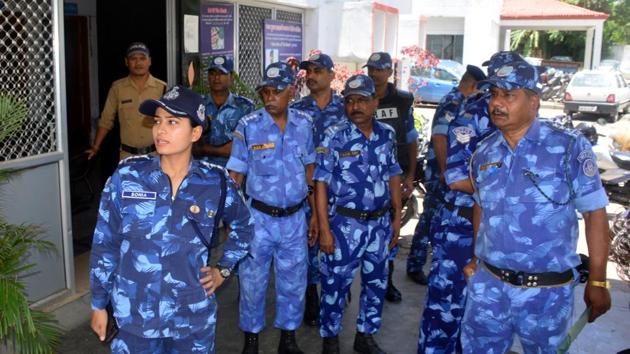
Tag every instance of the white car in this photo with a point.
(597, 92)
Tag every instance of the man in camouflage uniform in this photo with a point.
(529, 178)
(273, 148)
(359, 206)
(326, 108)
(223, 109)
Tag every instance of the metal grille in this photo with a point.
(27, 73)
(250, 27)
(288, 16)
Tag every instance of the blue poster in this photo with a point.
(282, 40)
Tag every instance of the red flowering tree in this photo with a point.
(420, 58)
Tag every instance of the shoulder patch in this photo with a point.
(585, 155)
(589, 167)
(463, 134)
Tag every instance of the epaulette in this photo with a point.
(244, 100)
(559, 128)
(302, 114)
(132, 160)
(209, 166)
(336, 128)
(252, 117)
(161, 82)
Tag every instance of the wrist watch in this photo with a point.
(224, 271)
(599, 284)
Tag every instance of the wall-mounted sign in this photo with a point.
(216, 23)
(282, 40)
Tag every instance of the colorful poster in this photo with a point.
(282, 40)
(216, 22)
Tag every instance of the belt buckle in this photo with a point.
(275, 212)
(532, 281)
(364, 215)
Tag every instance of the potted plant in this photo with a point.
(22, 329)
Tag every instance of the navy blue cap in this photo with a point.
(379, 60)
(221, 63)
(499, 59)
(360, 84)
(515, 75)
(475, 72)
(277, 75)
(180, 102)
(320, 60)
(137, 47)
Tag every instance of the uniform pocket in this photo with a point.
(262, 161)
(137, 215)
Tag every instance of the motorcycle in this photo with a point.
(614, 167)
(555, 86)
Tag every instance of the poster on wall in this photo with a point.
(216, 30)
(282, 40)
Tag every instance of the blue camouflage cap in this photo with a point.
(475, 72)
(320, 60)
(221, 63)
(180, 102)
(379, 60)
(499, 59)
(360, 84)
(515, 75)
(277, 75)
(137, 47)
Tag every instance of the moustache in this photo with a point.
(498, 111)
(355, 113)
(311, 82)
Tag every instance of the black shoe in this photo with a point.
(311, 308)
(392, 294)
(251, 343)
(330, 345)
(287, 343)
(365, 344)
(418, 277)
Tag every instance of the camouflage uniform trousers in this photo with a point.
(496, 310)
(446, 293)
(420, 242)
(357, 243)
(199, 342)
(283, 240)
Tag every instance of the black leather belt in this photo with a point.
(530, 280)
(138, 151)
(363, 214)
(275, 211)
(464, 212)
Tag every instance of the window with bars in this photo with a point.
(27, 73)
(250, 48)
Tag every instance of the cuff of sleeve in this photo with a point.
(412, 136)
(236, 165)
(99, 303)
(309, 159)
(453, 175)
(592, 201)
(321, 176)
(439, 130)
(395, 170)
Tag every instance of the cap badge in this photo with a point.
(375, 57)
(273, 73)
(505, 71)
(354, 83)
(219, 60)
(172, 93)
(201, 112)
(314, 57)
(211, 213)
(194, 209)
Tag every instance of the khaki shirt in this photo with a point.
(123, 99)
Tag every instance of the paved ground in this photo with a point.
(399, 333)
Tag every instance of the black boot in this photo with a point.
(330, 345)
(311, 308)
(287, 343)
(365, 344)
(392, 294)
(251, 343)
(418, 277)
